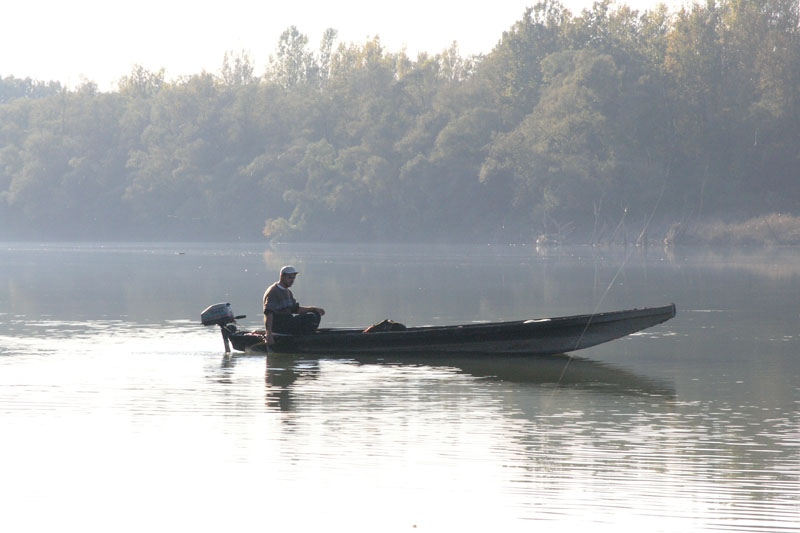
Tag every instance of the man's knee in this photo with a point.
(310, 321)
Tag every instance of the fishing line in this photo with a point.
(614, 279)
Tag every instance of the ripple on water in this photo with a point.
(432, 445)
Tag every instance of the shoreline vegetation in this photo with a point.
(775, 229)
(605, 126)
(768, 230)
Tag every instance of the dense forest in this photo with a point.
(589, 127)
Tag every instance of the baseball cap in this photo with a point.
(288, 269)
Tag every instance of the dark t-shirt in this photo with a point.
(279, 300)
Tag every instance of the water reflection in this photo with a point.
(284, 371)
(113, 398)
(579, 436)
(552, 371)
(770, 263)
(281, 375)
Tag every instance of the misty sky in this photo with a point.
(100, 40)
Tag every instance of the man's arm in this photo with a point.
(268, 328)
(320, 311)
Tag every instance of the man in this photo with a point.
(282, 313)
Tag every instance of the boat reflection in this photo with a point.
(554, 371)
(284, 372)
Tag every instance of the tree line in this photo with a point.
(591, 127)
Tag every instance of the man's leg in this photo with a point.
(309, 322)
(298, 324)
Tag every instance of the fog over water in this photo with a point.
(120, 411)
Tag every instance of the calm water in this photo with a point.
(121, 413)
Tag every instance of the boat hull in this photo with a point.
(530, 337)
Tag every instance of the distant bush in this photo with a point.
(770, 229)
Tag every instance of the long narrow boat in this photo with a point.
(545, 336)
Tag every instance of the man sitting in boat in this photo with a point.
(282, 313)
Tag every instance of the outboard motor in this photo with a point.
(222, 316)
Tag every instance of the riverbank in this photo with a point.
(772, 229)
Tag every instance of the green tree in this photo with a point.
(237, 69)
(11, 88)
(561, 158)
(292, 61)
(513, 68)
(141, 83)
